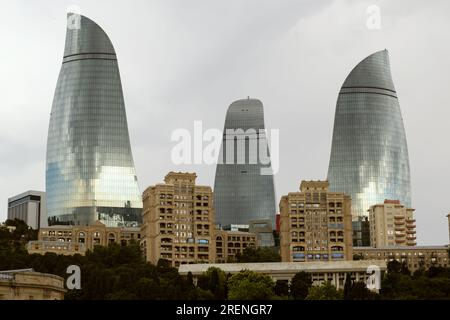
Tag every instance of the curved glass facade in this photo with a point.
(241, 192)
(90, 172)
(369, 154)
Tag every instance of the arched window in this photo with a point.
(111, 238)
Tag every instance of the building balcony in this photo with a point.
(399, 217)
(410, 220)
(397, 222)
(410, 225)
(399, 228)
(397, 240)
(411, 237)
(411, 243)
(411, 231)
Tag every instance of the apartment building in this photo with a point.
(178, 221)
(229, 244)
(392, 224)
(315, 224)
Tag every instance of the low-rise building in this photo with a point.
(264, 232)
(30, 207)
(315, 224)
(321, 271)
(70, 240)
(415, 257)
(229, 244)
(29, 285)
(392, 224)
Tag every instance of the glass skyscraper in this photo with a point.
(90, 172)
(243, 186)
(369, 154)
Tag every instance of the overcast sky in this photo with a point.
(187, 60)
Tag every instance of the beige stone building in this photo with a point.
(70, 240)
(230, 243)
(29, 285)
(415, 257)
(178, 221)
(315, 224)
(321, 271)
(392, 224)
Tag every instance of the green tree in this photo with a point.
(359, 291)
(394, 266)
(300, 284)
(326, 291)
(249, 285)
(404, 268)
(214, 280)
(282, 288)
(347, 287)
(260, 254)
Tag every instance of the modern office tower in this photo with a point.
(90, 170)
(70, 240)
(30, 208)
(178, 221)
(231, 243)
(316, 224)
(392, 224)
(417, 257)
(243, 186)
(264, 232)
(369, 155)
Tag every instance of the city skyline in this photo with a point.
(296, 96)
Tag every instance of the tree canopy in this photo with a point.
(249, 285)
(261, 254)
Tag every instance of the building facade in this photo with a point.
(333, 271)
(315, 224)
(392, 224)
(361, 232)
(29, 285)
(179, 221)
(29, 207)
(90, 171)
(415, 257)
(243, 186)
(69, 240)
(264, 232)
(229, 244)
(369, 154)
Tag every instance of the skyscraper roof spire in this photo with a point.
(85, 36)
